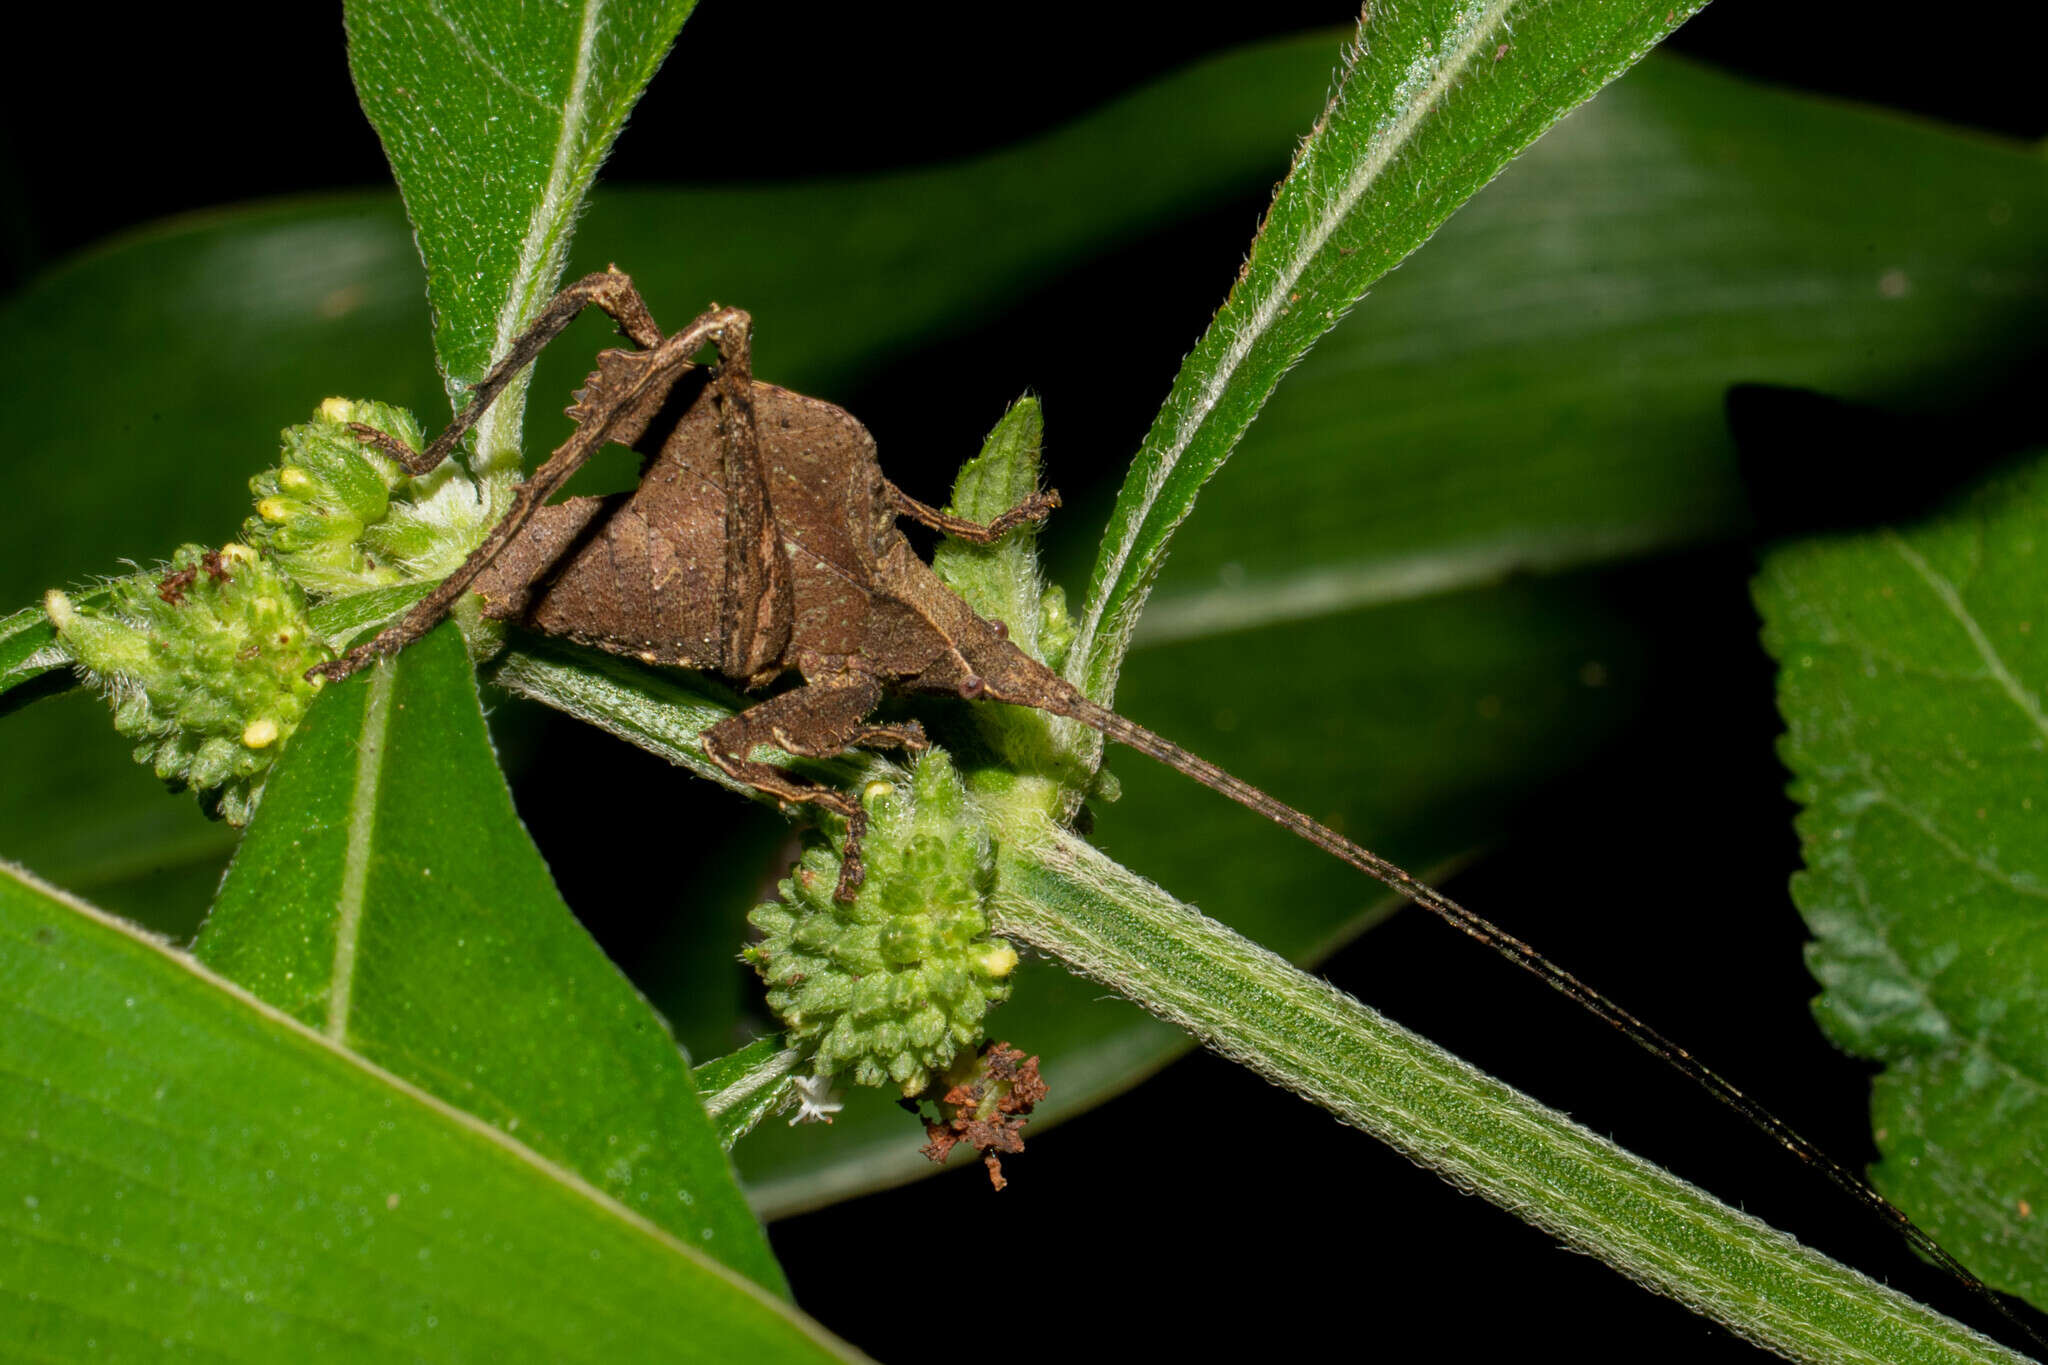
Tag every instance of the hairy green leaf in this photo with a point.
(742, 1088)
(1914, 663)
(387, 896)
(28, 647)
(495, 115)
(343, 620)
(1544, 386)
(191, 1171)
(1433, 101)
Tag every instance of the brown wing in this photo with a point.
(614, 582)
(646, 573)
(825, 490)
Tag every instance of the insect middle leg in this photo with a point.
(822, 719)
(1034, 508)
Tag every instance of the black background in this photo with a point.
(1206, 1209)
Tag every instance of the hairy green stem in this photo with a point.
(1066, 898)
(1060, 894)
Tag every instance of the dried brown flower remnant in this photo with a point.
(171, 587)
(986, 1105)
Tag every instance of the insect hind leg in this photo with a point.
(821, 719)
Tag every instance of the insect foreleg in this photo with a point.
(610, 290)
(648, 371)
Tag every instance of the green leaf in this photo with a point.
(495, 115)
(188, 1170)
(28, 648)
(1914, 664)
(742, 1088)
(1544, 387)
(217, 331)
(1434, 100)
(387, 896)
(1002, 583)
(342, 620)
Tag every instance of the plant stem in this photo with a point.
(1064, 897)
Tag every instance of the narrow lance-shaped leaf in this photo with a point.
(495, 115)
(1914, 663)
(387, 896)
(1433, 101)
(192, 1172)
(1547, 385)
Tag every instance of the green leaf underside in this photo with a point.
(744, 1087)
(1434, 101)
(191, 1172)
(494, 117)
(342, 620)
(1914, 663)
(387, 896)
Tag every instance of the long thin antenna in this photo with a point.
(1528, 959)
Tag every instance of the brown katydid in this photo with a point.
(762, 540)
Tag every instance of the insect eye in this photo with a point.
(972, 686)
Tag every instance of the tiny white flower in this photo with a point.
(815, 1098)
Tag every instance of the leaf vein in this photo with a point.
(1994, 664)
(482, 60)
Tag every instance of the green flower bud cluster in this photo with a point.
(318, 510)
(894, 984)
(204, 665)
(1055, 627)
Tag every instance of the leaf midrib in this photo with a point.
(542, 231)
(361, 849)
